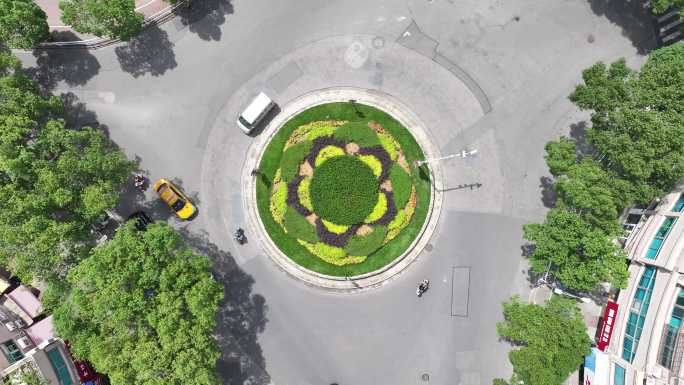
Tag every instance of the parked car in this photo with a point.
(255, 112)
(175, 198)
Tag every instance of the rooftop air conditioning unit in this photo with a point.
(24, 342)
(20, 323)
(10, 326)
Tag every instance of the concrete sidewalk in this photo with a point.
(64, 33)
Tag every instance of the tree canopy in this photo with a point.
(638, 120)
(142, 308)
(54, 181)
(551, 339)
(580, 255)
(106, 18)
(22, 24)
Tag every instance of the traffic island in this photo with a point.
(339, 201)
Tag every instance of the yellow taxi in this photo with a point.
(174, 197)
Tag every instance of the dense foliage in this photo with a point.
(105, 18)
(581, 256)
(142, 309)
(22, 24)
(315, 166)
(344, 190)
(54, 181)
(551, 339)
(636, 153)
(659, 7)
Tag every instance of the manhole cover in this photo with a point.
(591, 39)
(378, 42)
(425, 377)
(428, 247)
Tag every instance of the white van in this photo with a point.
(255, 111)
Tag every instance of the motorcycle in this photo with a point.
(139, 181)
(239, 236)
(422, 287)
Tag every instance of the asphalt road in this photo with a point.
(168, 95)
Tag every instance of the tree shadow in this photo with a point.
(633, 18)
(74, 66)
(241, 317)
(151, 52)
(76, 114)
(204, 17)
(549, 195)
(578, 133)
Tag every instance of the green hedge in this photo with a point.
(401, 185)
(359, 133)
(297, 226)
(344, 190)
(365, 245)
(292, 158)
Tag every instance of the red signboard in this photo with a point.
(609, 315)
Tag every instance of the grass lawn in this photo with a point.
(271, 161)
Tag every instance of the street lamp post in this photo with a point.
(463, 154)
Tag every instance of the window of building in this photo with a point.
(671, 332)
(637, 313)
(679, 205)
(59, 367)
(657, 242)
(12, 351)
(619, 375)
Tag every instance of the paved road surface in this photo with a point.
(164, 95)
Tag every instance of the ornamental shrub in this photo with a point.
(304, 193)
(331, 254)
(372, 162)
(390, 145)
(379, 209)
(367, 244)
(318, 129)
(359, 133)
(297, 226)
(279, 202)
(343, 190)
(326, 153)
(334, 228)
(292, 158)
(401, 185)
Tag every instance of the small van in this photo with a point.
(255, 111)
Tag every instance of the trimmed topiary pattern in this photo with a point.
(343, 190)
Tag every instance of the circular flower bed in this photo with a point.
(340, 196)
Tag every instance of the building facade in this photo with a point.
(646, 346)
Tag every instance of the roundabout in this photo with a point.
(338, 201)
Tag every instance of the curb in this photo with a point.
(99, 42)
(399, 112)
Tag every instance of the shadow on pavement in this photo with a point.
(241, 317)
(549, 195)
(76, 115)
(578, 133)
(204, 17)
(151, 52)
(74, 66)
(632, 16)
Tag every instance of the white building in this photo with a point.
(647, 343)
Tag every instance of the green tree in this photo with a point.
(551, 339)
(22, 23)
(110, 18)
(597, 196)
(142, 309)
(54, 181)
(579, 255)
(560, 155)
(638, 120)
